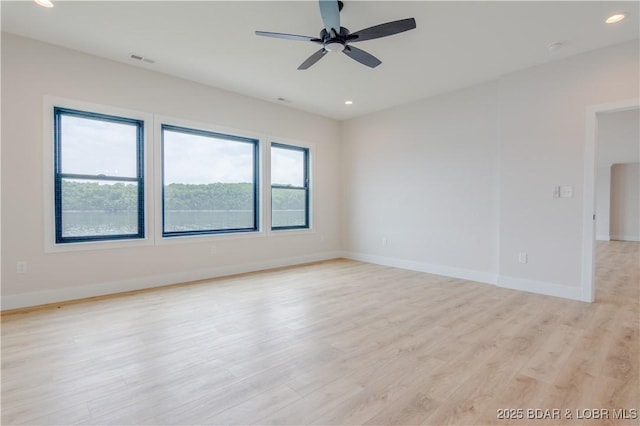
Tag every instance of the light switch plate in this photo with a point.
(566, 192)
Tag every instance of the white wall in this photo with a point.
(618, 142)
(32, 70)
(603, 203)
(618, 137)
(424, 177)
(625, 202)
(463, 182)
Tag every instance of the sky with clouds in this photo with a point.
(98, 147)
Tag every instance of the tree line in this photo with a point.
(116, 197)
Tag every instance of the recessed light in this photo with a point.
(44, 3)
(348, 102)
(613, 19)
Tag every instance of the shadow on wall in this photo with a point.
(625, 202)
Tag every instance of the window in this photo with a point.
(210, 182)
(98, 176)
(289, 187)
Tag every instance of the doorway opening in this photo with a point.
(602, 117)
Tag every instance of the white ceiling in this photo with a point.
(455, 44)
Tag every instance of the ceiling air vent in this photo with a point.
(142, 58)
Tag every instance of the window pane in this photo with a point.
(288, 207)
(91, 208)
(98, 176)
(208, 183)
(287, 167)
(96, 147)
(198, 207)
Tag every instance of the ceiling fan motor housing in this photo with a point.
(335, 42)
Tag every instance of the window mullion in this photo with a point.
(98, 177)
(288, 187)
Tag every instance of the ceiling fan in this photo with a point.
(335, 38)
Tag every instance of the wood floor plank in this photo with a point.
(518, 394)
(315, 405)
(253, 409)
(383, 385)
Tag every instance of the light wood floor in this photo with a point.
(339, 342)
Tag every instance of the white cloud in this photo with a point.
(198, 159)
(99, 147)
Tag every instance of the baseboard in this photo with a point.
(538, 287)
(44, 297)
(448, 271)
(37, 298)
(541, 287)
(633, 238)
(603, 238)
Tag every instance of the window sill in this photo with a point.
(97, 245)
(290, 232)
(208, 238)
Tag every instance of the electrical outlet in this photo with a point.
(385, 242)
(523, 258)
(21, 267)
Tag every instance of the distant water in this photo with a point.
(86, 223)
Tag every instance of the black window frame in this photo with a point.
(58, 112)
(305, 187)
(256, 180)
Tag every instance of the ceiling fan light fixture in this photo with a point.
(334, 46)
(44, 3)
(614, 19)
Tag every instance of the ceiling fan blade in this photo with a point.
(289, 36)
(313, 59)
(383, 30)
(361, 56)
(330, 12)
